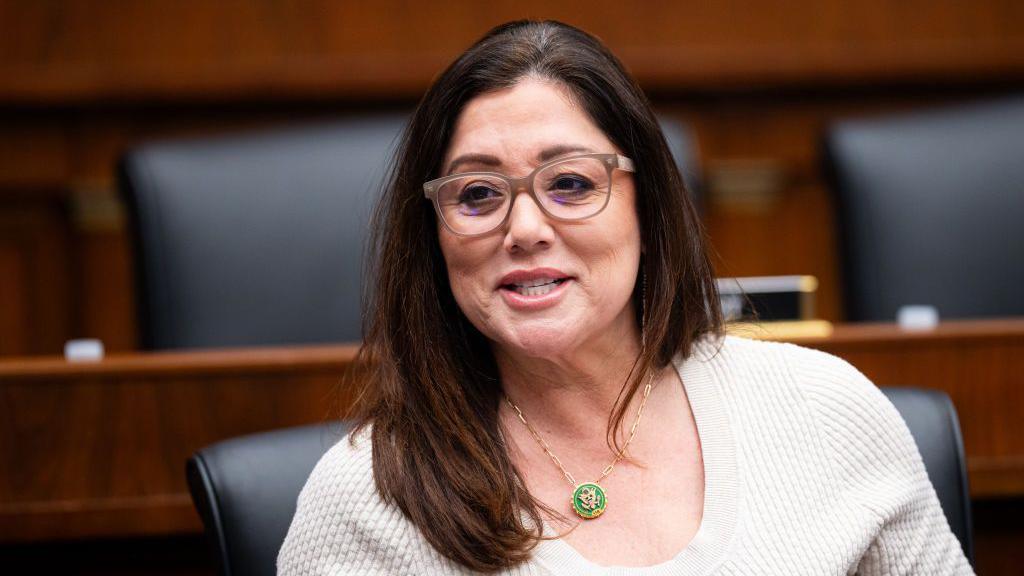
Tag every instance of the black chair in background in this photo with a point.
(256, 238)
(246, 488)
(930, 207)
(259, 239)
(683, 144)
(932, 420)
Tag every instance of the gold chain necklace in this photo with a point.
(589, 499)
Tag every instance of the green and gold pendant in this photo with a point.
(589, 500)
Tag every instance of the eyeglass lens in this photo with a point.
(574, 189)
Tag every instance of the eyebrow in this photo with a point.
(488, 160)
(485, 159)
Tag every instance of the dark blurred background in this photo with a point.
(82, 81)
(758, 83)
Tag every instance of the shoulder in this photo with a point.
(812, 428)
(842, 404)
(847, 404)
(340, 486)
(340, 521)
(749, 352)
(790, 368)
(867, 438)
(342, 525)
(344, 472)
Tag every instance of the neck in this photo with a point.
(569, 394)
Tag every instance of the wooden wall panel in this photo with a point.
(14, 305)
(33, 151)
(106, 288)
(87, 49)
(102, 453)
(99, 447)
(81, 80)
(36, 256)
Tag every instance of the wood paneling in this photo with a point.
(97, 450)
(13, 303)
(33, 152)
(86, 50)
(35, 268)
(106, 288)
(80, 81)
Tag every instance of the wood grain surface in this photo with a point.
(93, 453)
(81, 81)
(83, 50)
(99, 448)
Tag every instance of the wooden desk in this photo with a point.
(99, 449)
(93, 450)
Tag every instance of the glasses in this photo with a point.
(574, 188)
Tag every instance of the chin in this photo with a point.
(544, 341)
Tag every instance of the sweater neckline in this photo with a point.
(709, 545)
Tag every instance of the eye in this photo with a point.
(477, 193)
(479, 198)
(571, 182)
(570, 188)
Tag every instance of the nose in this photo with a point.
(528, 227)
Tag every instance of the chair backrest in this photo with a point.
(259, 238)
(933, 422)
(246, 488)
(256, 238)
(929, 207)
(683, 144)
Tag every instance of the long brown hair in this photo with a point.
(433, 389)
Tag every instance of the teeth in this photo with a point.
(536, 282)
(535, 290)
(537, 287)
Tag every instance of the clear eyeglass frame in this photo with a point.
(611, 161)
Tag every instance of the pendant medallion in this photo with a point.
(589, 500)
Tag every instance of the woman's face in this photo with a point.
(593, 261)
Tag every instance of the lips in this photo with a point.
(538, 287)
(535, 282)
(535, 291)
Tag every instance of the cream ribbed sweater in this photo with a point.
(808, 470)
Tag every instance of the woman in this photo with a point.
(550, 391)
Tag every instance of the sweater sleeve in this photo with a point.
(878, 466)
(341, 526)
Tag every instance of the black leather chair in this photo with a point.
(933, 423)
(929, 208)
(256, 238)
(246, 488)
(259, 238)
(683, 144)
